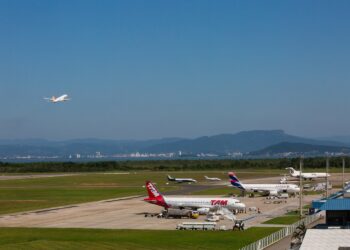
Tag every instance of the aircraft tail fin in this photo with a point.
(170, 178)
(291, 170)
(234, 181)
(154, 196)
(153, 193)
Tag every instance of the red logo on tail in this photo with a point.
(154, 196)
(152, 191)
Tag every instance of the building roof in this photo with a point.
(326, 239)
(333, 204)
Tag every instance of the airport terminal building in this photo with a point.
(335, 233)
(337, 209)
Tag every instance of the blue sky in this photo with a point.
(150, 69)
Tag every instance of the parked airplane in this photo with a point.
(212, 178)
(204, 205)
(266, 189)
(54, 99)
(306, 176)
(181, 180)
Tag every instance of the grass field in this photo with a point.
(283, 220)
(70, 239)
(29, 194)
(23, 199)
(313, 192)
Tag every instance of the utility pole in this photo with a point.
(327, 167)
(301, 187)
(343, 172)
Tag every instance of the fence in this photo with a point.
(273, 238)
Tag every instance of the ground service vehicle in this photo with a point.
(196, 226)
(179, 213)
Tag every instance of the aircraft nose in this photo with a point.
(241, 205)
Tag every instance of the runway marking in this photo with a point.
(53, 209)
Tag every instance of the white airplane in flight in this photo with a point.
(306, 176)
(205, 205)
(212, 178)
(181, 180)
(266, 189)
(54, 99)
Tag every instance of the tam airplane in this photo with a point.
(205, 205)
(266, 189)
(306, 176)
(181, 180)
(54, 99)
(212, 178)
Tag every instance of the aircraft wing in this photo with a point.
(267, 190)
(228, 214)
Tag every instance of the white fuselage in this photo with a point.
(310, 176)
(180, 180)
(212, 179)
(211, 203)
(62, 98)
(271, 188)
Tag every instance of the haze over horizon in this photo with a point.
(336, 138)
(155, 69)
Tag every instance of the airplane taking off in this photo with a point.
(54, 99)
(265, 189)
(205, 205)
(212, 178)
(181, 180)
(306, 176)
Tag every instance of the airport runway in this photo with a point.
(33, 176)
(129, 214)
(187, 189)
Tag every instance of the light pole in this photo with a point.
(343, 172)
(327, 167)
(301, 187)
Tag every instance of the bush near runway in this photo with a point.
(68, 239)
(167, 165)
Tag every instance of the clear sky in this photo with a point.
(151, 69)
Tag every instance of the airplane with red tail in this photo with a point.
(204, 205)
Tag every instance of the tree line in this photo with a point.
(168, 165)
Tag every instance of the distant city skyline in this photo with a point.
(155, 69)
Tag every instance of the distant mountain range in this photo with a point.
(245, 141)
(256, 142)
(340, 138)
(299, 148)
